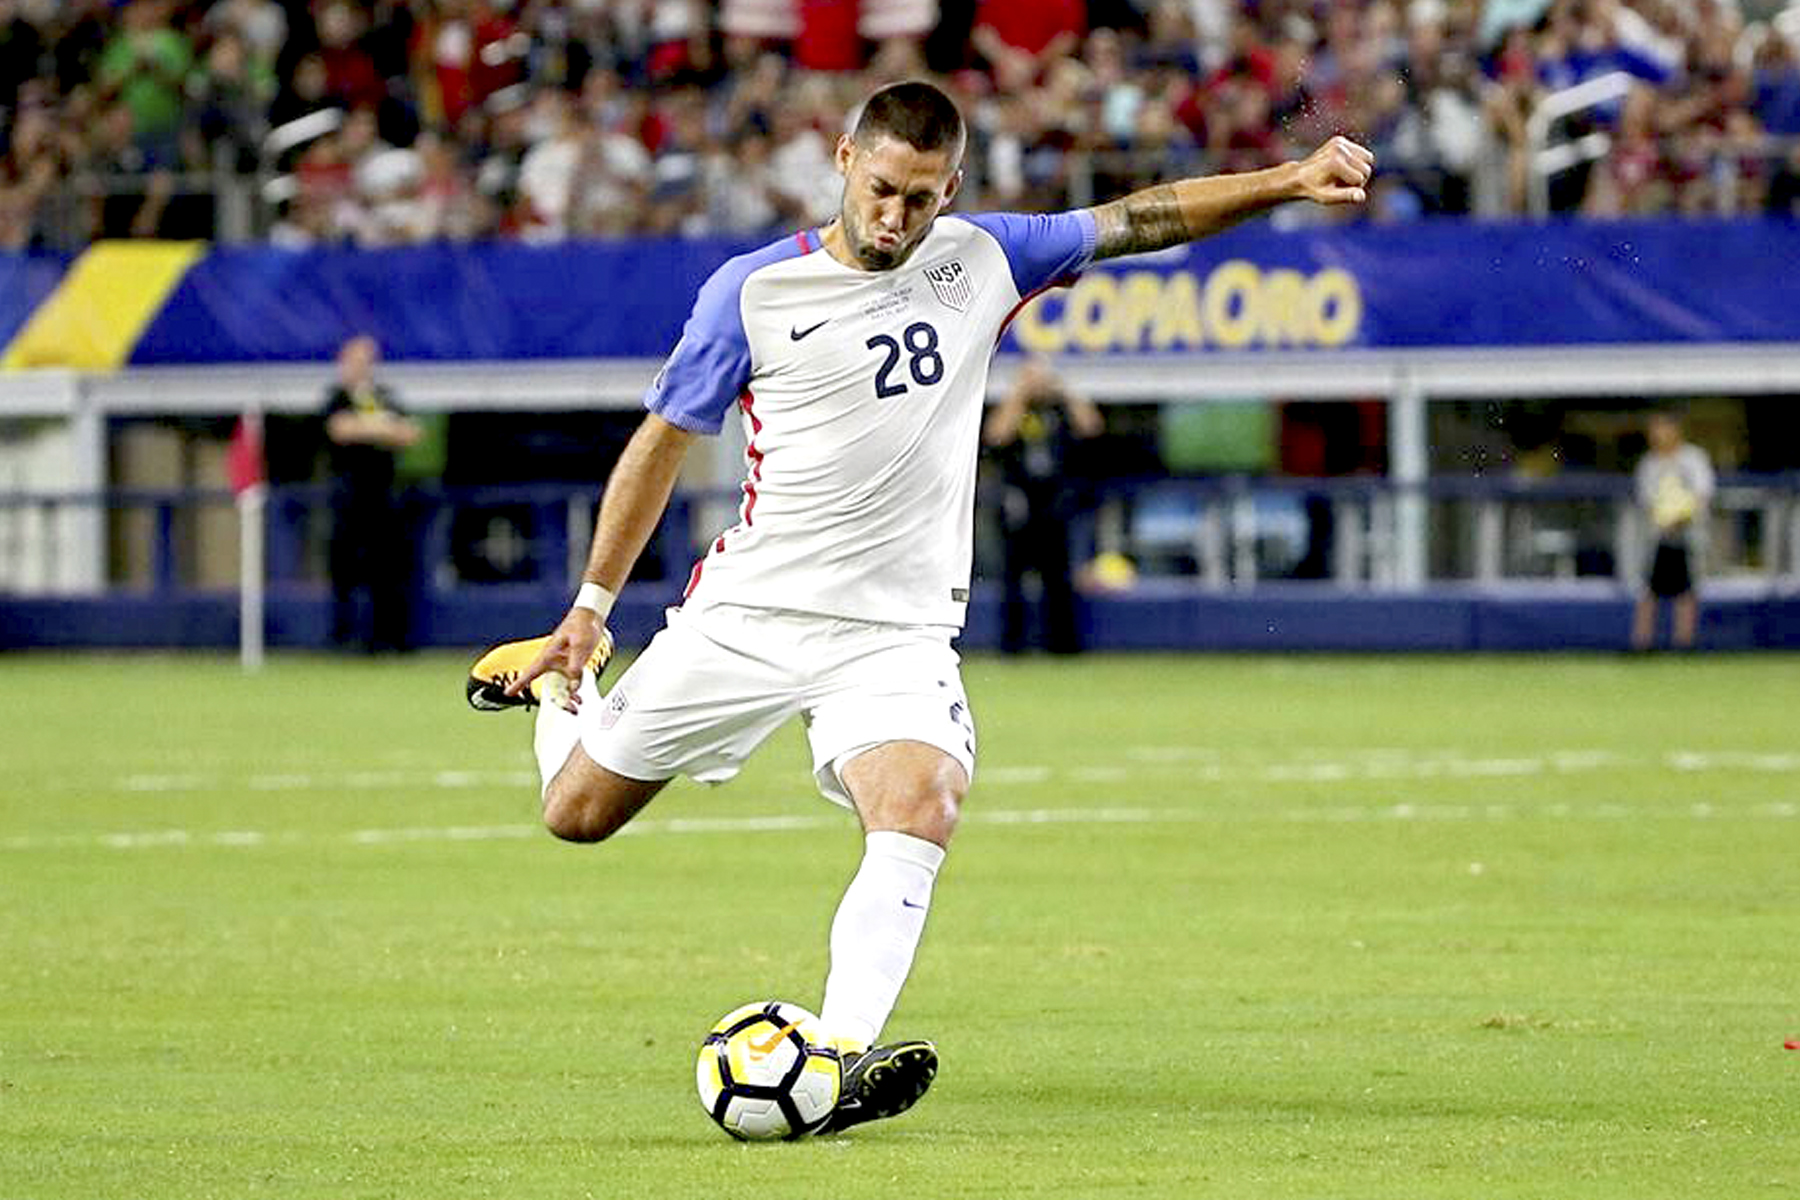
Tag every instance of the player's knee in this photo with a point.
(931, 810)
(575, 817)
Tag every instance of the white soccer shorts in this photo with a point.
(716, 682)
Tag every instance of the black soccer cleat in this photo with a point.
(493, 671)
(882, 1082)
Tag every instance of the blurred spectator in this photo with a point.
(462, 52)
(21, 48)
(1019, 39)
(805, 173)
(451, 208)
(366, 431)
(351, 76)
(752, 96)
(130, 188)
(306, 91)
(1176, 35)
(79, 33)
(345, 172)
(260, 26)
(829, 35)
(391, 184)
(1776, 84)
(676, 204)
(549, 170)
(1035, 433)
(743, 196)
(145, 66)
(305, 222)
(1674, 486)
(1633, 179)
(1067, 99)
(36, 161)
(228, 97)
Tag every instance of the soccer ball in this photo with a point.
(763, 1074)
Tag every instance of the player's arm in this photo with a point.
(637, 492)
(1187, 210)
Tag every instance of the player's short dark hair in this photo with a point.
(914, 112)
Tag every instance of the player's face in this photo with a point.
(892, 193)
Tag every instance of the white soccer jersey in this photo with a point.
(861, 394)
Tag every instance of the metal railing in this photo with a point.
(1578, 530)
(1222, 534)
(1549, 156)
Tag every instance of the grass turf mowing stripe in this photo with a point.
(1342, 813)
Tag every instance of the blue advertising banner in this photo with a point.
(1432, 284)
(1436, 284)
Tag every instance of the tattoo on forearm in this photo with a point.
(1146, 220)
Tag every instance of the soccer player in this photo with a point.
(857, 355)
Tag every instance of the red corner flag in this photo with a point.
(244, 465)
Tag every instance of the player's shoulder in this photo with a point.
(1040, 249)
(734, 272)
(1008, 228)
(716, 307)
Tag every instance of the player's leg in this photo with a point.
(908, 795)
(892, 737)
(907, 787)
(693, 703)
(585, 802)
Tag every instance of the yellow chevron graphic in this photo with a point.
(97, 313)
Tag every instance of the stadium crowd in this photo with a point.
(380, 122)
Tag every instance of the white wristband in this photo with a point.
(595, 599)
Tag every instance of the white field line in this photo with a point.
(687, 826)
(1191, 764)
(342, 781)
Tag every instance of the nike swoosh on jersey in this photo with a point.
(797, 333)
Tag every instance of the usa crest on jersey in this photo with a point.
(952, 284)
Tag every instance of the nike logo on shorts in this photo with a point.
(797, 333)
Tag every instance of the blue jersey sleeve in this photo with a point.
(1043, 249)
(710, 366)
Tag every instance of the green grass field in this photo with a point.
(1234, 927)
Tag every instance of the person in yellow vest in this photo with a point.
(366, 431)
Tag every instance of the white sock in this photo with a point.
(877, 928)
(558, 730)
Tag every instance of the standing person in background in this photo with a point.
(366, 431)
(1035, 433)
(1674, 487)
